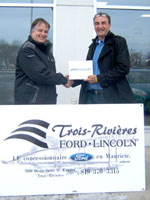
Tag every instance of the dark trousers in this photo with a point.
(94, 97)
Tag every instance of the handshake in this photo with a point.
(92, 79)
(69, 83)
(81, 70)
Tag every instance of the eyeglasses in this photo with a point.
(102, 15)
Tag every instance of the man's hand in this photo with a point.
(91, 79)
(69, 83)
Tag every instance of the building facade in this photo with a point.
(71, 33)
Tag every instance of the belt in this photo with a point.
(96, 92)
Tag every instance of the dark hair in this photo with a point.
(103, 14)
(39, 21)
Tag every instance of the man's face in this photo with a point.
(40, 32)
(101, 26)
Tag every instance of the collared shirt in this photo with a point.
(96, 71)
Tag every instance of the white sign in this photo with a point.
(80, 69)
(59, 149)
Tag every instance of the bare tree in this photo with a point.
(8, 54)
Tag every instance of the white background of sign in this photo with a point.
(37, 177)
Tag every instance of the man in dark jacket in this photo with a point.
(36, 76)
(111, 64)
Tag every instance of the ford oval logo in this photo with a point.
(81, 157)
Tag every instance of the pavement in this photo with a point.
(145, 195)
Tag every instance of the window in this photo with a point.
(133, 23)
(126, 2)
(16, 27)
(26, 1)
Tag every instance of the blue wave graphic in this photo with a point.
(29, 139)
(36, 122)
(30, 129)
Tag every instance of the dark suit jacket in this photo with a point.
(114, 65)
(36, 76)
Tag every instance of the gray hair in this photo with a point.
(39, 21)
(103, 15)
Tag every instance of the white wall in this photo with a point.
(74, 32)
